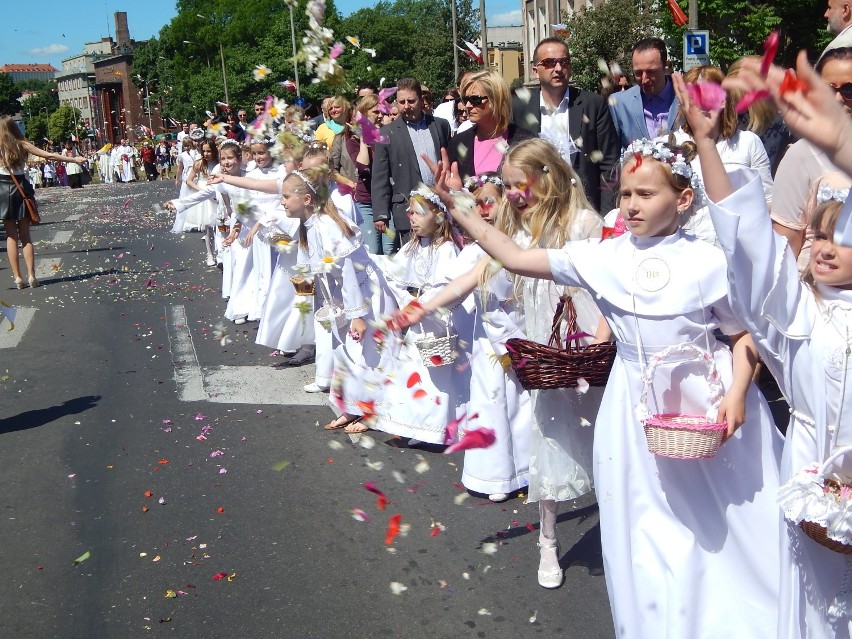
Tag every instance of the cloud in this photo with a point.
(51, 49)
(506, 19)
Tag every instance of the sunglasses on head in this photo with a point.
(845, 90)
(474, 100)
(550, 63)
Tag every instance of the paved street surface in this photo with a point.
(191, 482)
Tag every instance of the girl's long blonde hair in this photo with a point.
(12, 151)
(559, 196)
(316, 185)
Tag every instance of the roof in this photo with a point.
(28, 68)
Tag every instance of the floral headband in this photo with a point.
(228, 142)
(426, 193)
(304, 179)
(478, 181)
(197, 134)
(661, 152)
(826, 193)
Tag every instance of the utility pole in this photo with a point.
(293, 38)
(484, 31)
(693, 14)
(455, 41)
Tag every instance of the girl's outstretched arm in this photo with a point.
(733, 407)
(448, 296)
(264, 186)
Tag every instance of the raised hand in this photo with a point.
(703, 123)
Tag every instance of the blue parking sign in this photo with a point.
(696, 49)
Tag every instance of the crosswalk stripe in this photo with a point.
(23, 319)
(62, 237)
(261, 385)
(188, 377)
(47, 266)
(73, 218)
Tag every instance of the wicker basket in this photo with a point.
(438, 351)
(816, 531)
(329, 314)
(554, 366)
(683, 436)
(303, 287)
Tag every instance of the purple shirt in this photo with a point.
(656, 108)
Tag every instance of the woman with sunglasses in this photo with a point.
(486, 100)
(804, 166)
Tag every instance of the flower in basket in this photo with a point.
(282, 242)
(327, 263)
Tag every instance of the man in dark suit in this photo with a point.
(398, 167)
(558, 111)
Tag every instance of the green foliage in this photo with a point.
(62, 124)
(183, 68)
(739, 27)
(606, 32)
(34, 84)
(37, 109)
(9, 94)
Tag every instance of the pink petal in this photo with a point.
(770, 48)
(476, 438)
(755, 95)
(336, 50)
(708, 96)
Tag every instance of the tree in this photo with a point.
(63, 122)
(606, 32)
(739, 27)
(9, 95)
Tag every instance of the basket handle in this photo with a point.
(713, 379)
(839, 452)
(565, 310)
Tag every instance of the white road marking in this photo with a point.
(73, 218)
(234, 384)
(23, 319)
(261, 385)
(45, 267)
(188, 377)
(62, 237)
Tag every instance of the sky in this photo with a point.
(58, 29)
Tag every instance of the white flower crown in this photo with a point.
(477, 181)
(426, 193)
(826, 193)
(661, 152)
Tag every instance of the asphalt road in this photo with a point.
(102, 459)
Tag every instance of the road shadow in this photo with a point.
(41, 416)
(586, 553)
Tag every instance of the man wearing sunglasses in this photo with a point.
(398, 166)
(557, 110)
(649, 109)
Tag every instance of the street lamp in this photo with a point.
(221, 56)
(147, 103)
(293, 38)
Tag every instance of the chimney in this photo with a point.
(122, 32)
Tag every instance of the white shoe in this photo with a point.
(498, 497)
(211, 261)
(549, 578)
(240, 320)
(315, 388)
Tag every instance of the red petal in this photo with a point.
(419, 393)
(393, 528)
(792, 84)
(770, 48)
(436, 360)
(220, 575)
(435, 532)
(381, 502)
(413, 380)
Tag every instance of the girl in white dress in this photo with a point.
(804, 332)
(204, 214)
(421, 401)
(689, 546)
(497, 400)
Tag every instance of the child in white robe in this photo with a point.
(689, 546)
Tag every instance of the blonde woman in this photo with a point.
(486, 99)
(337, 112)
(14, 151)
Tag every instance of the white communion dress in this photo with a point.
(805, 340)
(690, 547)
